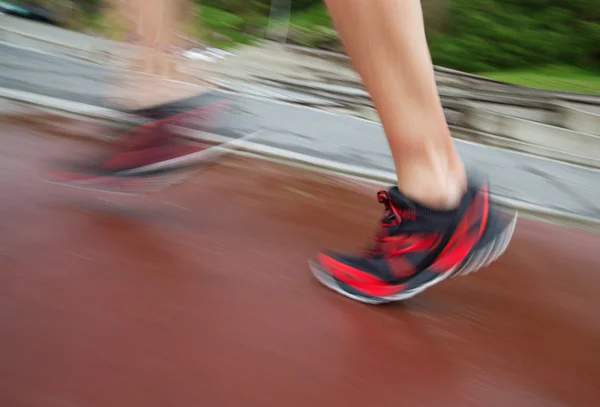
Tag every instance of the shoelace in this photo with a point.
(392, 217)
(391, 211)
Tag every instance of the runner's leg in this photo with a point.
(436, 224)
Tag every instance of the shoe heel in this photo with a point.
(486, 255)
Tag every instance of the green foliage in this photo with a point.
(557, 77)
(310, 18)
(217, 18)
(487, 35)
(470, 35)
(239, 6)
(264, 5)
(222, 28)
(241, 20)
(483, 35)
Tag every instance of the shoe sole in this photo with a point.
(476, 260)
(176, 170)
(225, 145)
(187, 165)
(126, 185)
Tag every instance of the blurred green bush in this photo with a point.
(487, 35)
(231, 5)
(471, 35)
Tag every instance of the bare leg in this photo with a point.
(152, 25)
(386, 42)
(146, 89)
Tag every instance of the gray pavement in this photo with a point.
(61, 77)
(319, 134)
(47, 32)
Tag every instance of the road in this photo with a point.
(48, 32)
(64, 78)
(200, 295)
(315, 133)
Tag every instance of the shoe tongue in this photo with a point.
(400, 201)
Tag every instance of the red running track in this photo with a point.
(200, 295)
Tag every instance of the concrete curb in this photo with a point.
(64, 106)
(577, 119)
(287, 157)
(571, 143)
(486, 139)
(77, 52)
(499, 89)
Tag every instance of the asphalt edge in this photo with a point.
(273, 154)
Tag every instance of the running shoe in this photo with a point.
(153, 154)
(416, 247)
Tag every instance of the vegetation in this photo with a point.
(489, 35)
(523, 41)
(475, 35)
(555, 77)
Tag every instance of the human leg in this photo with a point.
(165, 144)
(436, 223)
(386, 42)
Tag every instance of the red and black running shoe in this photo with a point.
(153, 154)
(417, 247)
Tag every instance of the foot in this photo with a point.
(417, 247)
(152, 154)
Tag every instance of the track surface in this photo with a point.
(200, 296)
